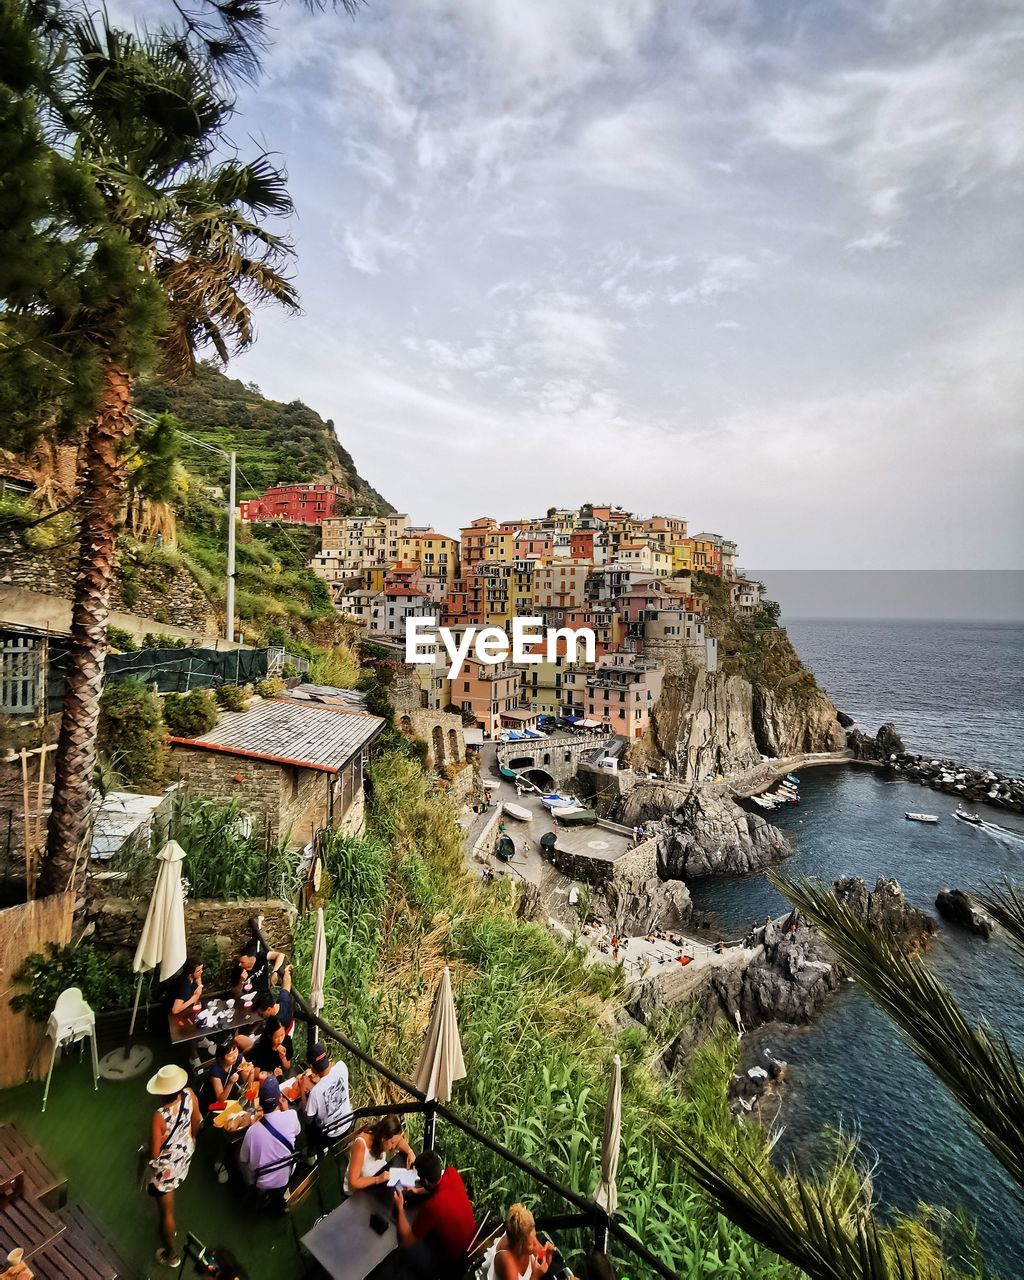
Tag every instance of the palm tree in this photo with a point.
(806, 1222)
(175, 256)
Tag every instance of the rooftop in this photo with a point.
(298, 733)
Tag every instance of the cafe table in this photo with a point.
(185, 1027)
(345, 1244)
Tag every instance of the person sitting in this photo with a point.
(228, 1071)
(268, 1005)
(186, 991)
(372, 1151)
(268, 1148)
(272, 1052)
(328, 1104)
(251, 972)
(437, 1243)
(518, 1254)
(281, 993)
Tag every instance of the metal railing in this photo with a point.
(588, 1213)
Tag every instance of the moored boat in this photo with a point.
(921, 817)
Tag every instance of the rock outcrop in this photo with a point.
(710, 835)
(885, 744)
(719, 729)
(791, 721)
(785, 971)
(960, 908)
(638, 905)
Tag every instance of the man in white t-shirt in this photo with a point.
(328, 1104)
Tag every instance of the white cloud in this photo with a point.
(722, 274)
(873, 241)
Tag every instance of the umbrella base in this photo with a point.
(126, 1063)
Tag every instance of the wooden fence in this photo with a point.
(24, 929)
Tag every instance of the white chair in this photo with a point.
(70, 1023)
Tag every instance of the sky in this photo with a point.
(758, 264)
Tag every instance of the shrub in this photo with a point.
(337, 666)
(187, 715)
(131, 733)
(120, 639)
(160, 640)
(104, 983)
(55, 531)
(271, 687)
(289, 671)
(234, 697)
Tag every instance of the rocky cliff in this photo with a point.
(759, 702)
(708, 834)
(784, 972)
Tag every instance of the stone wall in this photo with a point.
(118, 924)
(637, 863)
(560, 756)
(304, 803)
(163, 591)
(213, 775)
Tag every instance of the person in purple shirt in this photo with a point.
(268, 1144)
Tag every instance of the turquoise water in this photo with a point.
(851, 1067)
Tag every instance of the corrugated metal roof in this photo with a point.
(306, 734)
(326, 693)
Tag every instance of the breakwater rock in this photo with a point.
(975, 786)
(710, 835)
(960, 908)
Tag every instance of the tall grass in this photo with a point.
(227, 856)
(337, 666)
(537, 1026)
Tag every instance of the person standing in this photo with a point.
(172, 1143)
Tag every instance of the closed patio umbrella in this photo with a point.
(441, 1062)
(161, 946)
(318, 967)
(606, 1193)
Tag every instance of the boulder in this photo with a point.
(709, 834)
(960, 908)
(888, 741)
(846, 721)
(883, 907)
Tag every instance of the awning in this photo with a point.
(520, 716)
(590, 724)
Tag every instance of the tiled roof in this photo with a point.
(306, 734)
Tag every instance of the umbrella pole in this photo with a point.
(429, 1124)
(135, 1010)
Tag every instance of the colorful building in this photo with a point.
(295, 504)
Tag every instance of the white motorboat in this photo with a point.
(921, 817)
(972, 819)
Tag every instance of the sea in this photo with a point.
(956, 691)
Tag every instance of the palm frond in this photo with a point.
(819, 1227)
(975, 1063)
(1006, 907)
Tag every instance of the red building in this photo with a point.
(296, 503)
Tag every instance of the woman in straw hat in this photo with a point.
(171, 1145)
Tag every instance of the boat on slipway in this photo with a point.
(517, 811)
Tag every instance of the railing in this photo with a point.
(588, 1213)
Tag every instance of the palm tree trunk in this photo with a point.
(101, 504)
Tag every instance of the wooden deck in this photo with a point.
(61, 1240)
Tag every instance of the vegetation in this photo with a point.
(399, 906)
(131, 738)
(227, 856)
(271, 687)
(189, 715)
(274, 443)
(233, 697)
(136, 243)
(123, 641)
(830, 1229)
(104, 983)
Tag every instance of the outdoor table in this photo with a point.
(26, 1224)
(345, 1244)
(183, 1026)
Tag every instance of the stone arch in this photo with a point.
(521, 762)
(539, 777)
(547, 758)
(453, 746)
(437, 745)
(405, 724)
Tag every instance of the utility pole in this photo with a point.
(229, 602)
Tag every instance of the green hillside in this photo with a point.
(274, 442)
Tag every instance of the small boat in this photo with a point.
(921, 817)
(506, 849)
(576, 817)
(973, 819)
(791, 777)
(506, 772)
(518, 812)
(557, 802)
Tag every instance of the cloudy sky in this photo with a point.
(752, 262)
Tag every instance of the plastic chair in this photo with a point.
(71, 1022)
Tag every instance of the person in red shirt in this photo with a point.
(437, 1243)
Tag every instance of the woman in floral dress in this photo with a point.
(172, 1143)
